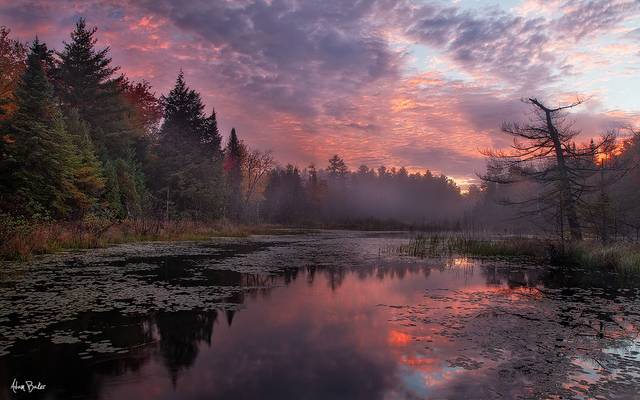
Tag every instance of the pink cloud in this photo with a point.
(318, 79)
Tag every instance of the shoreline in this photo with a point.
(24, 241)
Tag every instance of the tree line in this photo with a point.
(81, 140)
(380, 197)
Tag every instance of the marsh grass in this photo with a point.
(21, 241)
(623, 257)
(444, 245)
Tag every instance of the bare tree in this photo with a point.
(255, 170)
(544, 151)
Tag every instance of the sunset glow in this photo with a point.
(419, 84)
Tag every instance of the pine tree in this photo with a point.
(84, 80)
(285, 199)
(113, 194)
(188, 156)
(337, 167)
(88, 175)
(40, 158)
(234, 154)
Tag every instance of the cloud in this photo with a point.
(284, 54)
(313, 78)
(590, 17)
(496, 43)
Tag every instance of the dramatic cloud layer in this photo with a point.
(406, 83)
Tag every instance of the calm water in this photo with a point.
(325, 316)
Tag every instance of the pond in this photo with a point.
(328, 315)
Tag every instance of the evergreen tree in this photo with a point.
(233, 156)
(337, 167)
(188, 156)
(317, 193)
(37, 172)
(88, 176)
(84, 81)
(285, 199)
(113, 195)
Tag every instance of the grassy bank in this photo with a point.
(618, 256)
(21, 240)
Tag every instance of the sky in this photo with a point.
(423, 84)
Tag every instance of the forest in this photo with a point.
(84, 147)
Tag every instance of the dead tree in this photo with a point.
(544, 152)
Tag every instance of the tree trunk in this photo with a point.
(567, 201)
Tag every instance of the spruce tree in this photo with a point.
(85, 81)
(234, 154)
(188, 156)
(39, 162)
(337, 167)
(88, 174)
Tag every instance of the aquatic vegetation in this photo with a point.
(444, 245)
(623, 257)
(134, 278)
(545, 334)
(322, 309)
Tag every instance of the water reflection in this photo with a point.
(453, 328)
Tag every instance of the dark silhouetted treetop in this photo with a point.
(234, 154)
(85, 81)
(84, 70)
(187, 158)
(337, 167)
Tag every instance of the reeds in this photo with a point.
(20, 241)
(444, 245)
(623, 257)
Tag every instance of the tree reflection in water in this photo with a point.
(442, 328)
